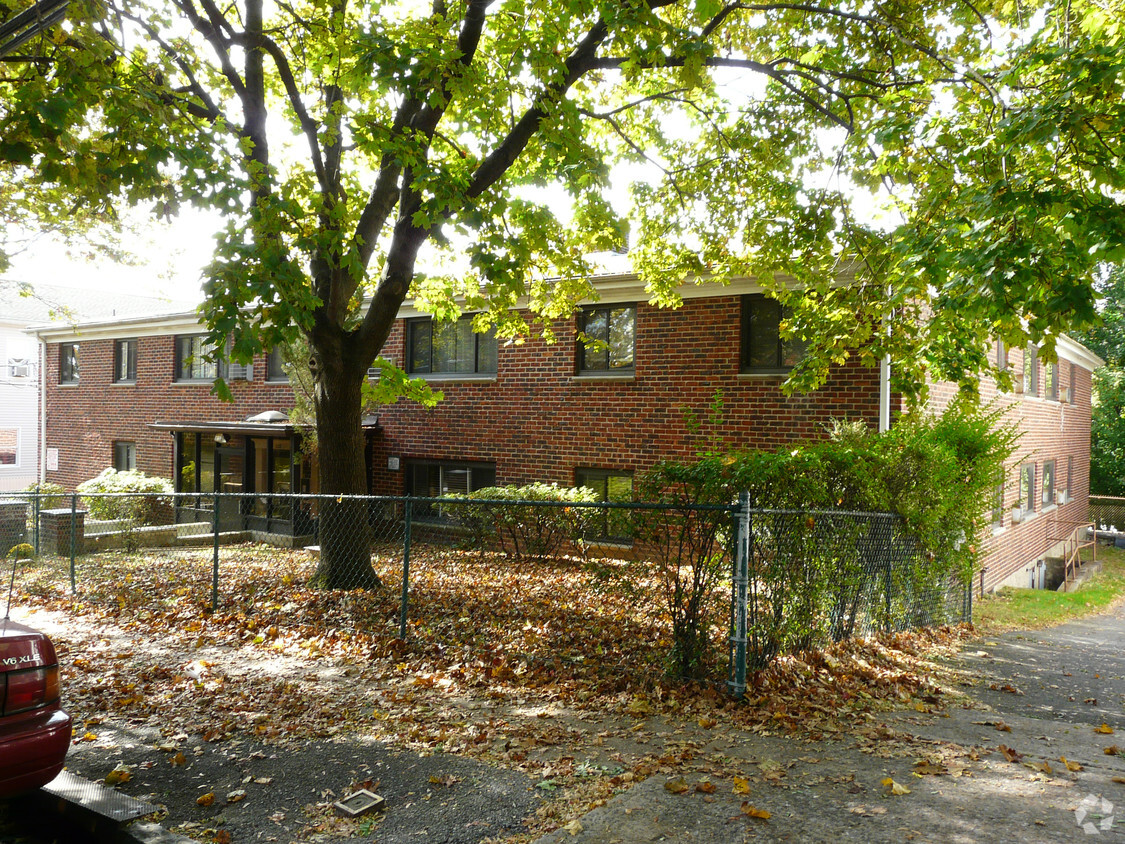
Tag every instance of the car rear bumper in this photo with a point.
(32, 749)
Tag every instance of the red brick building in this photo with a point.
(134, 392)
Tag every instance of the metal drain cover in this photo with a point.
(97, 798)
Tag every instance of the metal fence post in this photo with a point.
(215, 554)
(35, 510)
(405, 569)
(739, 582)
(73, 542)
(888, 563)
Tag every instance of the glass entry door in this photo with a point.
(232, 479)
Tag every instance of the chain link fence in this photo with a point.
(682, 579)
(1107, 512)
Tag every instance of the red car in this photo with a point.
(34, 729)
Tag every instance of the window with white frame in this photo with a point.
(9, 447)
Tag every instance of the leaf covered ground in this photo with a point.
(535, 666)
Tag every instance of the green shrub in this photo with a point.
(50, 495)
(816, 573)
(529, 530)
(140, 504)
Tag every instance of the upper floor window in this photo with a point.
(192, 363)
(1031, 370)
(1001, 355)
(1051, 381)
(275, 366)
(68, 363)
(449, 348)
(610, 338)
(1072, 385)
(764, 350)
(124, 361)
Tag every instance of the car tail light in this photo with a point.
(31, 689)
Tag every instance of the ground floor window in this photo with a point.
(437, 478)
(124, 456)
(1027, 489)
(9, 446)
(614, 486)
(1048, 482)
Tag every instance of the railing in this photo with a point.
(1081, 535)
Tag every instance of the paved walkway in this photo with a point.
(993, 772)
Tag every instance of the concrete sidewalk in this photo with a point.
(992, 771)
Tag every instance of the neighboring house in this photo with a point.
(513, 413)
(20, 362)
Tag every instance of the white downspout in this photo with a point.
(42, 379)
(885, 394)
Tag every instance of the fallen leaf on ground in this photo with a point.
(677, 786)
(574, 827)
(1070, 766)
(122, 773)
(896, 788)
(705, 787)
(236, 796)
(741, 785)
(1112, 750)
(206, 799)
(1104, 729)
(1009, 754)
(752, 812)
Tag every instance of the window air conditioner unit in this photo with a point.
(240, 372)
(373, 372)
(20, 370)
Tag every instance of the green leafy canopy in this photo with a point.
(352, 143)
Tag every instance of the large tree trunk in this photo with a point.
(344, 533)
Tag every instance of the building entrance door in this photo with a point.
(231, 468)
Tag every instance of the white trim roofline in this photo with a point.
(613, 287)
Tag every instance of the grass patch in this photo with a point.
(1032, 609)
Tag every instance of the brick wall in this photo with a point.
(84, 420)
(538, 420)
(1052, 430)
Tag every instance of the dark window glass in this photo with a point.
(1069, 478)
(68, 363)
(1027, 488)
(612, 525)
(434, 479)
(275, 366)
(1031, 370)
(1072, 385)
(124, 361)
(611, 331)
(1051, 381)
(1048, 482)
(192, 363)
(998, 499)
(764, 350)
(124, 456)
(450, 348)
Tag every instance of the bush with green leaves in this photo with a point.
(815, 572)
(131, 496)
(531, 530)
(48, 494)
